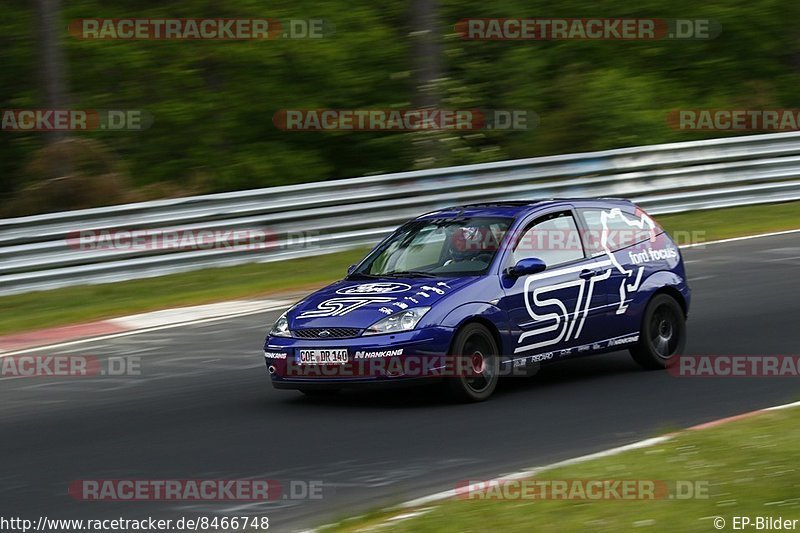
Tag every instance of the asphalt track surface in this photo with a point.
(203, 408)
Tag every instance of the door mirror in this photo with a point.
(531, 265)
(350, 269)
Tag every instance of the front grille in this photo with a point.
(333, 333)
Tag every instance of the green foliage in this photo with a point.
(213, 101)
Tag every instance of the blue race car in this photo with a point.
(472, 293)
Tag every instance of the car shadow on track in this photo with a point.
(586, 369)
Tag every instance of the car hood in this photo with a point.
(359, 304)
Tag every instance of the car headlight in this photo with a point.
(402, 321)
(281, 327)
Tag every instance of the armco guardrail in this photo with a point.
(40, 252)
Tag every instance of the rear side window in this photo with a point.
(616, 229)
(554, 239)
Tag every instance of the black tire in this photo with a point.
(477, 342)
(662, 335)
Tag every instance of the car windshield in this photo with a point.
(463, 246)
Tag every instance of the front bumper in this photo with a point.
(379, 359)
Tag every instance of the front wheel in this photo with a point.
(475, 345)
(662, 335)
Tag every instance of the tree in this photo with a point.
(51, 58)
(426, 70)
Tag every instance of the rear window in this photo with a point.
(615, 229)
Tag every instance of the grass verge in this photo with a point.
(734, 221)
(746, 468)
(72, 305)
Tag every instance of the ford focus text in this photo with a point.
(472, 293)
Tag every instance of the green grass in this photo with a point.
(734, 222)
(749, 468)
(83, 303)
(92, 302)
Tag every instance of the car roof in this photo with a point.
(515, 208)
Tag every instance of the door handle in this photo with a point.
(586, 274)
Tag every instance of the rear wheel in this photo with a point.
(480, 366)
(662, 335)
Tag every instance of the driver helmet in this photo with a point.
(469, 242)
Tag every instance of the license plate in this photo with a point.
(323, 357)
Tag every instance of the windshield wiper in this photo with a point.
(409, 274)
(361, 275)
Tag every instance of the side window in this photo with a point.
(620, 231)
(595, 230)
(554, 239)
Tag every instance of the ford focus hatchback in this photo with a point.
(469, 294)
